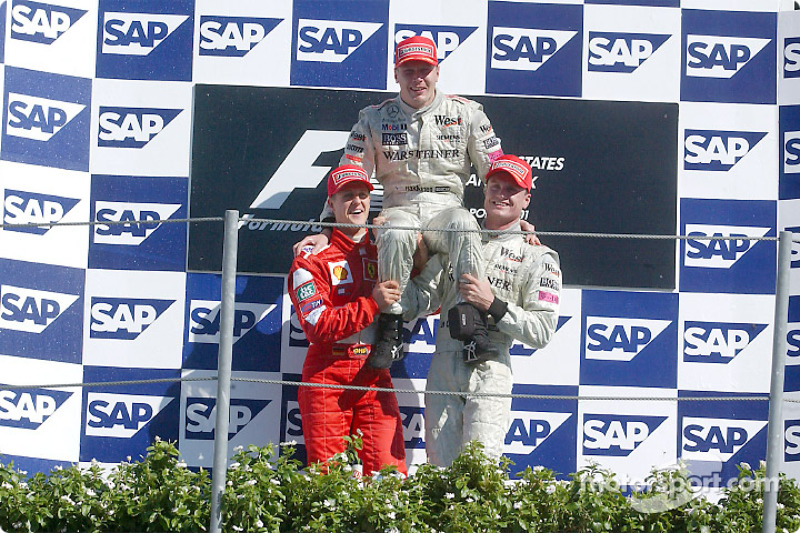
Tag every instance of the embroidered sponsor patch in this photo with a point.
(370, 270)
(306, 291)
(548, 297)
(340, 273)
(309, 306)
(547, 283)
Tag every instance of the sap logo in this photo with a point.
(31, 310)
(41, 23)
(29, 408)
(331, 41)
(413, 426)
(298, 169)
(795, 256)
(525, 48)
(447, 38)
(38, 119)
(791, 57)
(711, 342)
(712, 56)
(232, 36)
(23, 207)
(421, 335)
(129, 223)
(529, 429)
(716, 439)
(201, 416)
(791, 152)
(124, 318)
(294, 424)
(126, 127)
(620, 339)
(792, 444)
(297, 337)
(793, 342)
(724, 246)
(621, 52)
(121, 416)
(522, 350)
(137, 34)
(717, 150)
(617, 435)
(205, 319)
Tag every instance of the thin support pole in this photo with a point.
(775, 426)
(227, 309)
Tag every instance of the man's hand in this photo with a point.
(386, 293)
(476, 291)
(530, 233)
(317, 242)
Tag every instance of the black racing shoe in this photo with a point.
(469, 324)
(389, 344)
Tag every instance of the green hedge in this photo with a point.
(273, 493)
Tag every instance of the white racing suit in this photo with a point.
(527, 279)
(423, 157)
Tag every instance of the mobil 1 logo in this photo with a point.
(726, 56)
(149, 41)
(629, 339)
(46, 119)
(727, 247)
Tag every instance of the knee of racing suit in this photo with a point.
(396, 245)
(461, 239)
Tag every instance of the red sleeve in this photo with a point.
(310, 292)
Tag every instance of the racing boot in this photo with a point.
(470, 325)
(389, 344)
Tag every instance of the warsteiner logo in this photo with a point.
(41, 23)
(233, 36)
(29, 408)
(23, 207)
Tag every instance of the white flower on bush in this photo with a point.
(330, 503)
(449, 495)
(259, 523)
(233, 466)
(550, 489)
(251, 482)
(517, 505)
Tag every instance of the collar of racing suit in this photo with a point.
(501, 235)
(345, 243)
(413, 112)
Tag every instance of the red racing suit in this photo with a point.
(332, 296)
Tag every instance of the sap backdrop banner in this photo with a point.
(600, 167)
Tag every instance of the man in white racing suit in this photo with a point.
(421, 146)
(520, 292)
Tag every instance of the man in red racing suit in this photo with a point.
(336, 296)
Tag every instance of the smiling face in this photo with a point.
(504, 201)
(351, 206)
(417, 81)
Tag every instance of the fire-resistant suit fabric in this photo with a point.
(528, 279)
(423, 159)
(332, 296)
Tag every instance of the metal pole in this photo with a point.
(230, 247)
(775, 427)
